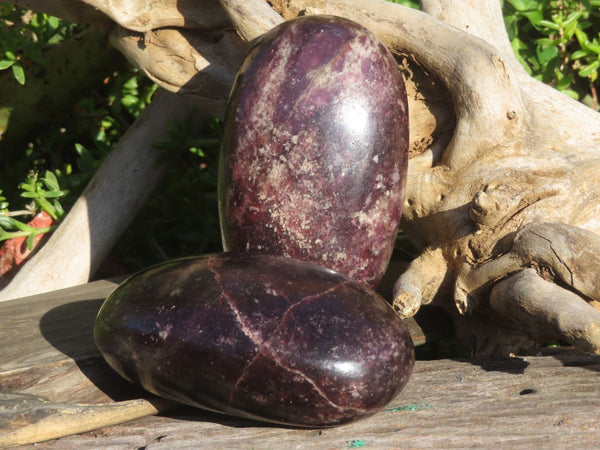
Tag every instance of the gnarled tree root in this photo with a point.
(546, 311)
(545, 288)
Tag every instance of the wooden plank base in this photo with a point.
(50, 371)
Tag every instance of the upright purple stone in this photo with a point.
(314, 157)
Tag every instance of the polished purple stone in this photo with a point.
(257, 336)
(313, 162)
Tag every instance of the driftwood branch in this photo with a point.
(548, 311)
(504, 170)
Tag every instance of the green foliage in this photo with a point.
(102, 118)
(76, 147)
(410, 3)
(558, 42)
(11, 228)
(44, 194)
(24, 34)
(181, 217)
(69, 153)
(3, 204)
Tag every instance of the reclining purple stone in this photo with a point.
(257, 336)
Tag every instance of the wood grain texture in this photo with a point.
(547, 401)
(46, 351)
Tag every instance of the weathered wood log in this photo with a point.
(540, 401)
(43, 420)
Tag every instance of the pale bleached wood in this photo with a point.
(480, 18)
(527, 298)
(137, 15)
(252, 18)
(52, 327)
(55, 420)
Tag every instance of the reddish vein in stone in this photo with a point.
(265, 346)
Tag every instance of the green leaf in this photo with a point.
(80, 148)
(535, 17)
(546, 42)
(581, 37)
(549, 70)
(29, 185)
(571, 94)
(523, 5)
(593, 47)
(197, 151)
(511, 25)
(60, 212)
(6, 63)
(107, 122)
(48, 207)
(571, 23)
(545, 55)
(131, 84)
(53, 194)
(18, 73)
(51, 181)
(579, 54)
(129, 100)
(86, 162)
(570, 29)
(30, 241)
(150, 92)
(54, 22)
(563, 82)
(4, 235)
(589, 70)
(7, 222)
(551, 25)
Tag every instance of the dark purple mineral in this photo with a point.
(313, 162)
(263, 337)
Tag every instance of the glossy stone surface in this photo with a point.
(313, 162)
(257, 336)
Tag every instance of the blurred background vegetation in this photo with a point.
(66, 98)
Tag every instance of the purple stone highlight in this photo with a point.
(315, 150)
(257, 336)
